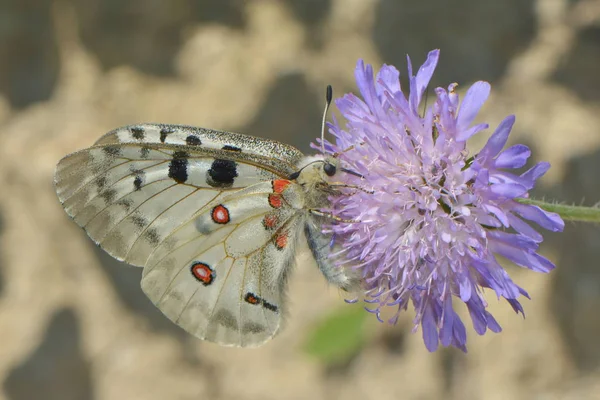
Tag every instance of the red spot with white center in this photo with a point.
(281, 240)
(270, 221)
(279, 185)
(220, 214)
(275, 200)
(203, 273)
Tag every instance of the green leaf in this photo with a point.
(339, 336)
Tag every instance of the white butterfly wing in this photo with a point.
(221, 276)
(138, 183)
(147, 194)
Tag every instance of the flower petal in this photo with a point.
(497, 140)
(523, 228)
(430, 334)
(364, 81)
(546, 219)
(471, 104)
(509, 190)
(388, 77)
(460, 334)
(447, 322)
(522, 258)
(537, 171)
(514, 157)
(421, 81)
(464, 134)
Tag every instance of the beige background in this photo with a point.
(74, 324)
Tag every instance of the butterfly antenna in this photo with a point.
(328, 97)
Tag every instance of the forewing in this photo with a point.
(130, 196)
(221, 276)
(273, 154)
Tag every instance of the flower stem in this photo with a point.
(568, 213)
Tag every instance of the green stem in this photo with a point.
(568, 213)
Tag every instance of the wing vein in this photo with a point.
(159, 215)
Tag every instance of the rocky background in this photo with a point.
(74, 323)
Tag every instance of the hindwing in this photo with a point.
(221, 276)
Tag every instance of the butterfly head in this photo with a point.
(317, 170)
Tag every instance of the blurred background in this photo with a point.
(74, 324)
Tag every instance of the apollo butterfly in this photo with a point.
(213, 217)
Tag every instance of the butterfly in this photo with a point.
(213, 217)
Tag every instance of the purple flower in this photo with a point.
(431, 232)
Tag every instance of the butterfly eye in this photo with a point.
(329, 169)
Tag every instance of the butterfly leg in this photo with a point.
(344, 185)
(315, 211)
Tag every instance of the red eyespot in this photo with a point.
(281, 240)
(279, 185)
(270, 221)
(220, 214)
(203, 273)
(275, 200)
(251, 298)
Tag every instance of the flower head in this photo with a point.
(438, 216)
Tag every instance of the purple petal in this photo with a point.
(366, 86)
(465, 287)
(463, 135)
(476, 311)
(514, 157)
(447, 322)
(471, 104)
(498, 213)
(514, 303)
(525, 259)
(459, 333)
(523, 228)
(388, 77)
(497, 140)
(430, 334)
(508, 190)
(537, 171)
(493, 325)
(423, 77)
(519, 241)
(546, 219)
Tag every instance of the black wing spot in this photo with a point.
(193, 140)
(252, 298)
(125, 203)
(222, 173)
(138, 221)
(101, 182)
(153, 237)
(164, 132)
(112, 150)
(109, 195)
(253, 327)
(138, 181)
(178, 167)
(144, 152)
(137, 133)
(231, 148)
(269, 306)
(225, 318)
